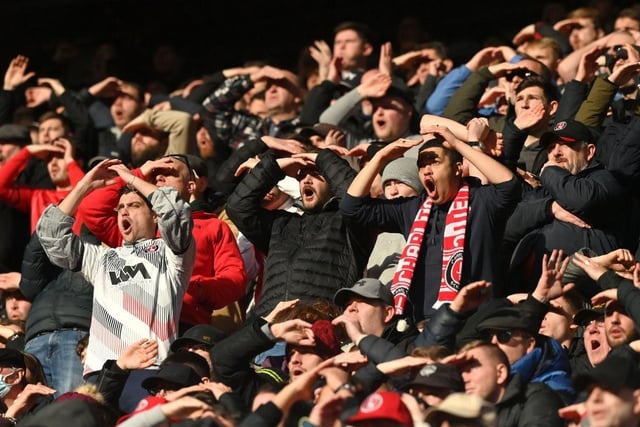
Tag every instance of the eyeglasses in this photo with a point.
(523, 74)
(184, 159)
(503, 336)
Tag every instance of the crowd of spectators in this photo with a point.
(383, 235)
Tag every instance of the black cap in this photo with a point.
(399, 89)
(10, 357)
(568, 131)
(199, 334)
(509, 318)
(198, 165)
(15, 134)
(583, 316)
(621, 368)
(367, 288)
(437, 375)
(175, 373)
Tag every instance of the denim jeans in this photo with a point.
(57, 354)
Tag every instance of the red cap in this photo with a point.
(383, 405)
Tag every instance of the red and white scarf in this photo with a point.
(452, 251)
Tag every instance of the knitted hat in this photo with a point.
(405, 170)
(327, 344)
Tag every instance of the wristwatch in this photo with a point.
(476, 144)
(346, 386)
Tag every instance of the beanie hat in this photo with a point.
(405, 170)
(327, 344)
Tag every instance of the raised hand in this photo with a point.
(375, 84)
(471, 296)
(247, 165)
(43, 151)
(321, 53)
(385, 63)
(592, 268)
(285, 145)
(16, 74)
(106, 88)
(550, 283)
(561, 214)
(55, 84)
(292, 165)
(68, 148)
(294, 331)
(604, 297)
(139, 355)
(351, 325)
(10, 281)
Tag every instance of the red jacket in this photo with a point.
(218, 277)
(28, 199)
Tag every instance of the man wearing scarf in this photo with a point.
(453, 229)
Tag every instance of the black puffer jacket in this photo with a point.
(309, 256)
(529, 404)
(60, 298)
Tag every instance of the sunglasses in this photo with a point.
(503, 336)
(523, 74)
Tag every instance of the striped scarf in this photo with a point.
(452, 251)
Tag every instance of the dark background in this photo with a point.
(211, 35)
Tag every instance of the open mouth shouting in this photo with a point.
(125, 226)
(308, 194)
(430, 186)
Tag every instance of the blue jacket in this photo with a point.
(548, 363)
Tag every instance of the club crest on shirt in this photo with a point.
(152, 248)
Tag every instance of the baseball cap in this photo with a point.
(437, 375)
(10, 357)
(176, 374)
(385, 405)
(508, 318)
(198, 334)
(368, 288)
(568, 131)
(11, 133)
(587, 314)
(462, 405)
(621, 368)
